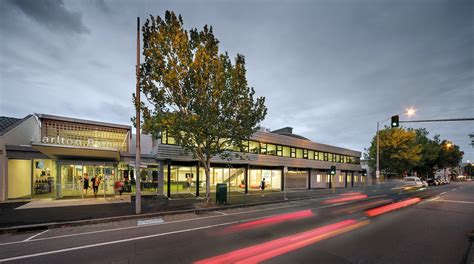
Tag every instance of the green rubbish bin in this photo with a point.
(221, 193)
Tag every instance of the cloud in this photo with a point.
(52, 14)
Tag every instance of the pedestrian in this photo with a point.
(189, 181)
(262, 186)
(95, 185)
(86, 183)
(119, 187)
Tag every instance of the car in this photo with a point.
(431, 182)
(413, 181)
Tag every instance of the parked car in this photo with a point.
(413, 181)
(431, 182)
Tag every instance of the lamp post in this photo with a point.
(408, 112)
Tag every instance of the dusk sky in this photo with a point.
(329, 69)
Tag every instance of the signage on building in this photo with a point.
(89, 143)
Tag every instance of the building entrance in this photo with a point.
(86, 180)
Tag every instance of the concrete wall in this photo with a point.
(25, 132)
(322, 179)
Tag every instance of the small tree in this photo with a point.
(195, 92)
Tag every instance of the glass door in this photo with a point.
(71, 180)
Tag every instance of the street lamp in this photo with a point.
(409, 112)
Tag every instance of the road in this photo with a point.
(383, 224)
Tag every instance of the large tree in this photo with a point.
(196, 92)
(399, 151)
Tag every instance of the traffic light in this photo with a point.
(333, 170)
(364, 172)
(395, 121)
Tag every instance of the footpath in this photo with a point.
(36, 215)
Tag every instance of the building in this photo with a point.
(46, 156)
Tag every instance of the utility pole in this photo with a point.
(138, 197)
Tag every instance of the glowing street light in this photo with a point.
(410, 111)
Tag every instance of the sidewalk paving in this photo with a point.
(17, 214)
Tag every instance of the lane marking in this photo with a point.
(442, 193)
(219, 212)
(114, 242)
(453, 201)
(165, 223)
(150, 221)
(434, 199)
(192, 219)
(40, 233)
(131, 239)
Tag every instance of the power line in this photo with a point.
(438, 120)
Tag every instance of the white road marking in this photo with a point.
(454, 189)
(434, 199)
(31, 237)
(219, 212)
(442, 193)
(171, 222)
(452, 201)
(116, 241)
(152, 221)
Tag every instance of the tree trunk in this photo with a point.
(207, 169)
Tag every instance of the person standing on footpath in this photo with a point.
(262, 186)
(95, 185)
(86, 183)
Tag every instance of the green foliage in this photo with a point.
(194, 91)
(398, 150)
(412, 150)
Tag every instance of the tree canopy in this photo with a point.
(410, 150)
(195, 92)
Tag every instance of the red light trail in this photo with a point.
(271, 249)
(390, 207)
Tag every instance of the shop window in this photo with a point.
(318, 178)
(254, 147)
(19, 178)
(279, 150)
(271, 149)
(286, 151)
(263, 148)
(299, 153)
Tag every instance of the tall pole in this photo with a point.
(377, 170)
(138, 197)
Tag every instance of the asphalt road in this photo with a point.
(384, 224)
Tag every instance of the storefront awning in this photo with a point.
(72, 152)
